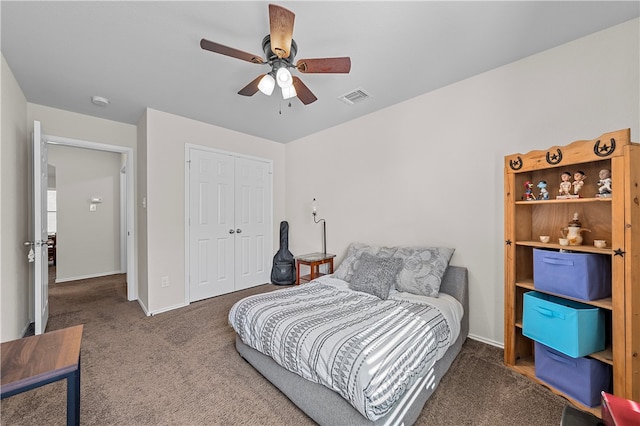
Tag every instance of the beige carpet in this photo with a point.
(181, 368)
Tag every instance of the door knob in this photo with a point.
(231, 231)
(239, 231)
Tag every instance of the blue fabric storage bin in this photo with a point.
(573, 328)
(583, 276)
(581, 378)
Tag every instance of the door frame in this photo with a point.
(187, 148)
(128, 232)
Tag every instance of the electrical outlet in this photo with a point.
(164, 282)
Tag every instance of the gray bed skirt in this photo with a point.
(327, 407)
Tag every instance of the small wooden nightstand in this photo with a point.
(313, 261)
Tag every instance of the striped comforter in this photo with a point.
(368, 350)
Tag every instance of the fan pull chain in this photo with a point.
(280, 109)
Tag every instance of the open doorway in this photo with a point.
(123, 179)
(88, 233)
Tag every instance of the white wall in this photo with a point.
(165, 139)
(14, 208)
(429, 171)
(88, 243)
(141, 219)
(66, 124)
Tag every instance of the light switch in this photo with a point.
(93, 207)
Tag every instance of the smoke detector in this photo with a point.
(100, 101)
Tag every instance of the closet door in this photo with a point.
(230, 223)
(211, 224)
(254, 244)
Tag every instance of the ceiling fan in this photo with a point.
(280, 50)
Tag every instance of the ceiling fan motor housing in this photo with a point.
(272, 58)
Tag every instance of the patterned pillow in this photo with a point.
(345, 268)
(350, 263)
(422, 269)
(375, 275)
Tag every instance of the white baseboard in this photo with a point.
(144, 308)
(170, 308)
(487, 341)
(24, 330)
(84, 277)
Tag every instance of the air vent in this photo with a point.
(354, 96)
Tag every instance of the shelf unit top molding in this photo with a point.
(604, 147)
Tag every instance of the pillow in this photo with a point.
(345, 268)
(350, 263)
(375, 275)
(422, 269)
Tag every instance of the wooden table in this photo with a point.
(39, 360)
(313, 261)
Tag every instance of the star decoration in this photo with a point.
(508, 242)
(619, 252)
(554, 158)
(605, 149)
(516, 164)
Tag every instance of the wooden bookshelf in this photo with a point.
(615, 219)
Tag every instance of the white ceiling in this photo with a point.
(147, 54)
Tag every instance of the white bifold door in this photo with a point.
(230, 223)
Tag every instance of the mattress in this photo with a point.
(370, 351)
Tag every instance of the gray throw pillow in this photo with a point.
(422, 269)
(351, 261)
(375, 275)
(345, 269)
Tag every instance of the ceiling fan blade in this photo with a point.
(281, 30)
(230, 51)
(251, 88)
(325, 65)
(304, 94)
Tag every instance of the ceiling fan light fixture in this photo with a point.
(267, 84)
(283, 76)
(289, 92)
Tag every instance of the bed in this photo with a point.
(333, 348)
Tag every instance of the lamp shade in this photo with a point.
(289, 92)
(267, 84)
(283, 76)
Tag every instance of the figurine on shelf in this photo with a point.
(528, 192)
(578, 181)
(604, 184)
(544, 194)
(565, 185)
(573, 231)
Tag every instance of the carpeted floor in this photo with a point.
(181, 368)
